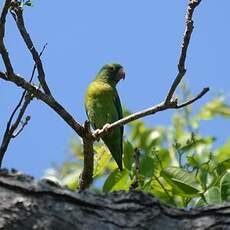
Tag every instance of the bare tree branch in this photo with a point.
(201, 94)
(3, 50)
(18, 16)
(11, 131)
(86, 176)
(24, 123)
(4, 13)
(186, 39)
(49, 100)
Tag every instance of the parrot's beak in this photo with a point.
(121, 74)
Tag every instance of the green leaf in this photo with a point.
(192, 161)
(162, 158)
(179, 125)
(223, 153)
(200, 202)
(117, 180)
(194, 143)
(101, 160)
(147, 166)
(225, 187)
(213, 196)
(213, 108)
(128, 155)
(182, 181)
(160, 189)
(72, 180)
(222, 167)
(203, 176)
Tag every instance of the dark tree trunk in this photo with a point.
(27, 204)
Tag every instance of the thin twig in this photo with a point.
(24, 123)
(10, 131)
(24, 93)
(29, 43)
(201, 94)
(136, 181)
(186, 39)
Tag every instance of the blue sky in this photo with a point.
(144, 36)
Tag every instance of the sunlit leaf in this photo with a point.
(160, 189)
(223, 153)
(179, 125)
(182, 181)
(128, 155)
(203, 178)
(101, 160)
(222, 166)
(72, 180)
(194, 143)
(213, 108)
(213, 196)
(117, 180)
(225, 187)
(200, 202)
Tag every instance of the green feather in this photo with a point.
(103, 105)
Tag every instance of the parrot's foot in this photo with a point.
(96, 133)
(106, 127)
(99, 131)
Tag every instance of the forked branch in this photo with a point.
(12, 130)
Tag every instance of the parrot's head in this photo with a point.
(111, 73)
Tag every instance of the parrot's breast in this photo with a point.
(99, 104)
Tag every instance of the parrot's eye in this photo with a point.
(112, 68)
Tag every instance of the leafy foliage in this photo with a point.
(177, 164)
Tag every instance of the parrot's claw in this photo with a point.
(106, 127)
(95, 134)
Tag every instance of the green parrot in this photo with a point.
(103, 107)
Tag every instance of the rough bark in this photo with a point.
(29, 204)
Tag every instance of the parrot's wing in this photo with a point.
(118, 106)
(92, 124)
(117, 103)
